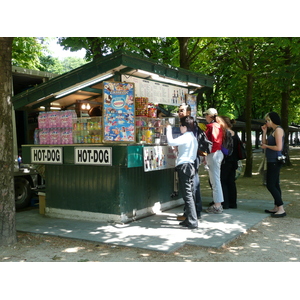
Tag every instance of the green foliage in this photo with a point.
(26, 52)
(33, 53)
(96, 47)
(272, 62)
(228, 60)
(57, 66)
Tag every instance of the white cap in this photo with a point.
(211, 112)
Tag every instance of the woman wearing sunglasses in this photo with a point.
(273, 145)
(215, 133)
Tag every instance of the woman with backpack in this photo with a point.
(215, 132)
(228, 169)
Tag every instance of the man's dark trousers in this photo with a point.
(196, 191)
(186, 174)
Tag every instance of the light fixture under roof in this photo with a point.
(146, 72)
(168, 80)
(194, 84)
(51, 108)
(85, 106)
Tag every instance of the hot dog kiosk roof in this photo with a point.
(84, 83)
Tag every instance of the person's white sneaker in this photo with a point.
(214, 210)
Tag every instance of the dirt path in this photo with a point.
(273, 240)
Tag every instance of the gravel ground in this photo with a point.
(273, 240)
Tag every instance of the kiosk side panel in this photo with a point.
(84, 188)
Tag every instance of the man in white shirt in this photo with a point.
(187, 151)
(185, 110)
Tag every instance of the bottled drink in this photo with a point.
(36, 137)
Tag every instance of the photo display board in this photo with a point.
(118, 112)
(159, 158)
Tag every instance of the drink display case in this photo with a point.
(87, 130)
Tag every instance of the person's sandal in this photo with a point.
(270, 211)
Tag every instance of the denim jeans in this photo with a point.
(214, 161)
(197, 193)
(186, 174)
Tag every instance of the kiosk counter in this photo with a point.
(105, 182)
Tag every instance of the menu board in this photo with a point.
(118, 112)
(157, 92)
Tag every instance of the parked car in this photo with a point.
(28, 181)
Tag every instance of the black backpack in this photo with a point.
(227, 145)
(204, 144)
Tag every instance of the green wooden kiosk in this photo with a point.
(109, 179)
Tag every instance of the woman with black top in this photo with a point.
(273, 145)
(228, 169)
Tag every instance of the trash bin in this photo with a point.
(42, 202)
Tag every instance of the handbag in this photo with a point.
(242, 154)
(227, 145)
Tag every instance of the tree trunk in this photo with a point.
(183, 53)
(7, 197)
(285, 100)
(285, 97)
(248, 112)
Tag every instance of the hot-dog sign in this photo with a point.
(93, 156)
(118, 112)
(46, 155)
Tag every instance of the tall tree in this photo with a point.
(246, 64)
(190, 49)
(278, 84)
(288, 70)
(244, 54)
(7, 197)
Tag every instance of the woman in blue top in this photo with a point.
(187, 152)
(273, 145)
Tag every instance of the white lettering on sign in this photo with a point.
(50, 155)
(93, 156)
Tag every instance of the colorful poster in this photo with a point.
(191, 100)
(159, 158)
(118, 112)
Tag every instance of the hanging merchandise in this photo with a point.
(141, 106)
(36, 137)
(151, 110)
